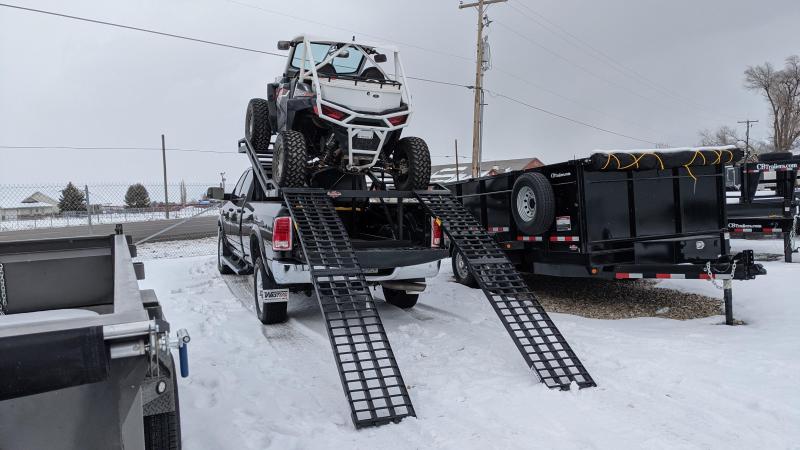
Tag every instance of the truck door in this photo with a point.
(233, 210)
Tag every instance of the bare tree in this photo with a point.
(781, 88)
(723, 135)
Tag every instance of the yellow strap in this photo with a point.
(608, 161)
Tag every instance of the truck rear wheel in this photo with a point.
(411, 162)
(270, 313)
(533, 203)
(461, 271)
(401, 299)
(257, 129)
(290, 159)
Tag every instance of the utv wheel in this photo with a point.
(533, 203)
(401, 299)
(271, 312)
(222, 250)
(256, 125)
(461, 271)
(163, 431)
(411, 161)
(289, 160)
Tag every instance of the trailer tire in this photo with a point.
(271, 313)
(533, 203)
(461, 272)
(412, 164)
(257, 128)
(163, 431)
(289, 159)
(775, 156)
(222, 250)
(401, 299)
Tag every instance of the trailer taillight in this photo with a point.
(398, 120)
(436, 232)
(282, 234)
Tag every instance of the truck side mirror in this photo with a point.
(380, 58)
(284, 45)
(216, 193)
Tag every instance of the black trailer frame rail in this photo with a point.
(541, 344)
(370, 377)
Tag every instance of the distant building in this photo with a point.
(35, 205)
(446, 173)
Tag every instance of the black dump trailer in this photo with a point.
(764, 201)
(614, 215)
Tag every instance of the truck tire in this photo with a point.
(411, 161)
(290, 159)
(271, 313)
(533, 203)
(222, 250)
(163, 431)
(257, 129)
(401, 299)
(461, 271)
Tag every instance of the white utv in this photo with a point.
(336, 114)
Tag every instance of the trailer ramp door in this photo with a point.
(367, 367)
(542, 346)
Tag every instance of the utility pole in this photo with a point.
(457, 167)
(164, 162)
(749, 124)
(745, 184)
(477, 124)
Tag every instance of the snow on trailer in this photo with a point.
(759, 211)
(617, 215)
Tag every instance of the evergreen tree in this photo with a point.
(137, 196)
(72, 199)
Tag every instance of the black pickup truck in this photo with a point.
(398, 245)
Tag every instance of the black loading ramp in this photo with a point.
(544, 348)
(367, 367)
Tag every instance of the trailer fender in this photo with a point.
(533, 203)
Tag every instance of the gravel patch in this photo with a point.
(617, 299)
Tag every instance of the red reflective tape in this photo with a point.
(663, 275)
(621, 276)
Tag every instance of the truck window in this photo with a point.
(239, 183)
(243, 186)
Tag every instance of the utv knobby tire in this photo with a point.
(270, 313)
(257, 129)
(163, 431)
(411, 153)
(401, 299)
(290, 159)
(533, 203)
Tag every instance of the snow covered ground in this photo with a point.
(662, 384)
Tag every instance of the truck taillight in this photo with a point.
(282, 234)
(436, 232)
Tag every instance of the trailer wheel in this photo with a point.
(289, 159)
(461, 271)
(271, 312)
(533, 203)
(257, 128)
(163, 431)
(411, 162)
(222, 250)
(401, 299)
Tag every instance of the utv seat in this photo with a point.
(373, 73)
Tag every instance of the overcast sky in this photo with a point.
(69, 83)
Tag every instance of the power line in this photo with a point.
(203, 41)
(64, 147)
(145, 30)
(602, 56)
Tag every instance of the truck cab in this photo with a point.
(397, 244)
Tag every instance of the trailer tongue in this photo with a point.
(368, 370)
(542, 346)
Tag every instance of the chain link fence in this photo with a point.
(184, 216)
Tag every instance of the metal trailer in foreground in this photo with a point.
(751, 213)
(85, 359)
(615, 215)
(326, 227)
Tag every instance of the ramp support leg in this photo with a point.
(728, 296)
(787, 247)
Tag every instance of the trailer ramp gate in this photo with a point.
(542, 346)
(367, 367)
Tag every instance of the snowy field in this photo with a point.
(662, 384)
